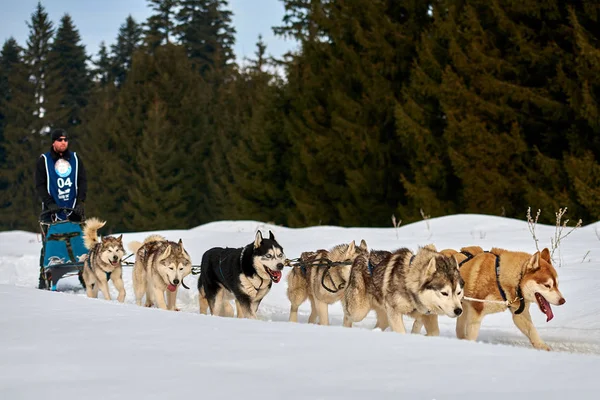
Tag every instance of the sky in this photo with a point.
(99, 20)
(64, 345)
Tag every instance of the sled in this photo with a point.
(63, 252)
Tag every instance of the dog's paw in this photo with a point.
(541, 346)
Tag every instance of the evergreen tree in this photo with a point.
(9, 58)
(155, 120)
(159, 26)
(258, 162)
(485, 115)
(205, 29)
(156, 193)
(102, 71)
(342, 123)
(28, 117)
(128, 41)
(68, 62)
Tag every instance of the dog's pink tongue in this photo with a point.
(546, 307)
(172, 288)
(276, 276)
(549, 314)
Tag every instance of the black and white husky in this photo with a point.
(243, 274)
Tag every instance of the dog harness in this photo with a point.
(502, 293)
(89, 263)
(469, 256)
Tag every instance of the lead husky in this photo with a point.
(242, 274)
(103, 261)
(160, 266)
(403, 283)
(517, 277)
(322, 285)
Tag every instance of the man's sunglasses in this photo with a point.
(62, 139)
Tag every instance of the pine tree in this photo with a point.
(128, 41)
(155, 123)
(10, 60)
(258, 161)
(102, 71)
(28, 117)
(9, 57)
(45, 81)
(205, 29)
(68, 63)
(486, 107)
(159, 26)
(356, 56)
(156, 192)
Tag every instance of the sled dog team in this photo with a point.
(466, 284)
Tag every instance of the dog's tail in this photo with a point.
(135, 246)
(90, 232)
(154, 238)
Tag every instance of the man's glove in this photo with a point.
(53, 207)
(79, 209)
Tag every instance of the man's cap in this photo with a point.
(58, 133)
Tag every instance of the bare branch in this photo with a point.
(531, 225)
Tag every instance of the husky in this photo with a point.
(321, 284)
(516, 277)
(160, 266)
(402, 283)
(243, 274)
(461, 256)
(103, 261)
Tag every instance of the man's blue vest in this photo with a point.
(61, 177)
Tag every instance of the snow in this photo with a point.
(62, 345)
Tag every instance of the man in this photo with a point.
(60, 180)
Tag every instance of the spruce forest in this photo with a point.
(411, 108)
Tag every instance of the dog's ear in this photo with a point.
(534, 262)
(363, 245)
(165, 254)
(350, 250)
(271, 236)
(431, 268)
(455, 261)
(120, 238)
(257, 240)
(430, 246)
(546, 255)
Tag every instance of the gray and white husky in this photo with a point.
(159, 268)
(401, 283)
(103, 261)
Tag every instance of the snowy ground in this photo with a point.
(64, 345)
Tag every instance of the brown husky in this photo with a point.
(403, 283)
(160, 265)
(322, 285)
(103, 261)
(517, 277)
